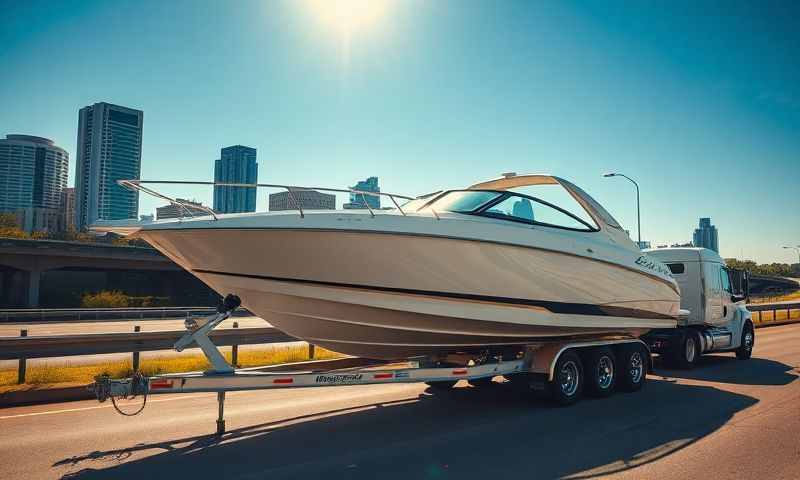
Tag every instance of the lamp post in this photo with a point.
(796, 249)
(638, 214)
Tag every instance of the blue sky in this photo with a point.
(700, 102)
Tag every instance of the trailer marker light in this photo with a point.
(283, 380)
(462, 371)
(155, 384)
(383, 375)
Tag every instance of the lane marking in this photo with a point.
(67, 410)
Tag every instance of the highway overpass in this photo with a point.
(56, 270)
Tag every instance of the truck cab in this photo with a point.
(713, 297)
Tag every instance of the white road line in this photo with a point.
(67, 410)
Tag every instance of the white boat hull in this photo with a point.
(396, 295)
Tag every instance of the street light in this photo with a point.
(797, 249)
(638, 215)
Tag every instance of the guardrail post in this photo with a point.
(311, 351)
(235, 350)
(23, 362)
(136, 329)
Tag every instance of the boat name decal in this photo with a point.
(339, 378)
(650, 264)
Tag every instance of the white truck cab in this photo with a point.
(714, 296)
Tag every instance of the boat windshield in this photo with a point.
(511, 206)
(463, 201)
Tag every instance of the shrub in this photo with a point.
(105, 299)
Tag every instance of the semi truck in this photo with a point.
(713, 298)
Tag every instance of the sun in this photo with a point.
(346, 17)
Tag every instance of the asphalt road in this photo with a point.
(725, 419)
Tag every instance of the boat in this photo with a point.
(485, 268)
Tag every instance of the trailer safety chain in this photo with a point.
(138, 386)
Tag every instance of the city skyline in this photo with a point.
(669, 110)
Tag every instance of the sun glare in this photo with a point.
(348, 16)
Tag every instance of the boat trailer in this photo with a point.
(225, 378)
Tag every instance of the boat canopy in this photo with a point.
(511, 180)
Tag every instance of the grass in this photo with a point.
(778, 298)
(776, 316)
(85, 373)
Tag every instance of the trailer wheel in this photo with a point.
(442, 386)
(601, 372)
(567, 384)
(688, 350)
(745, 350)
(633, 363)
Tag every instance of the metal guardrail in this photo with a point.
(12, 348)
(777, 309)
(106, 314)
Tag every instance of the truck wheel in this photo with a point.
(601, 372)
(745, 350)
(633, 364)
(567, 384)
(442, 386)
(688, 351)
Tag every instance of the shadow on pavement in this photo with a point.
(727, 369)
(464, 433)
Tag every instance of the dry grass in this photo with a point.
(85, 373)
(779, 298)
(776, 316)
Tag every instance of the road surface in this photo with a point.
(725, 419)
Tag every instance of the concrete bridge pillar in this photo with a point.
(34, 280)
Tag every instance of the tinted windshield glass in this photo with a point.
(464, 201)
(529, 210)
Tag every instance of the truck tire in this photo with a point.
(567, 384)
(688, 350)
(601, 371)
(634, 362)
(745, 349)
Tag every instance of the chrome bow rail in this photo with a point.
(137, 185)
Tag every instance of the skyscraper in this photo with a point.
(33, 172)
(237, 164)
(308, 200)
(358, 200)
(68, 208)
(706, 235)
(109, 149)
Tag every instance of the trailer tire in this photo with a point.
(601, 372)
(567, 384)
(634, 362)
(745, 350)
(688, 350)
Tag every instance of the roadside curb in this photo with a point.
(44, 395)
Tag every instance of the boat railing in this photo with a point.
(190, 207)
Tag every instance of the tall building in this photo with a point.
(308, 200)
(68, 209)
(706, 235)
(33, 172)
(237, 164)
(189, 209)
(109, 149)
(358, 200)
